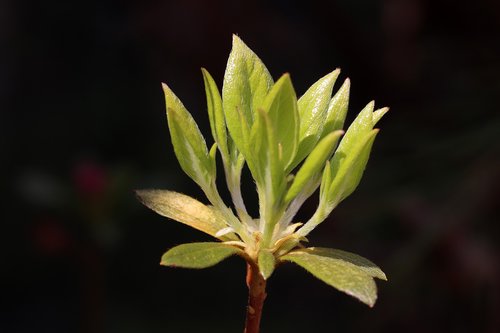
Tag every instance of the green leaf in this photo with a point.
(189, 144)
(267, 263)
(212, 155)
(347, 168)
(362, 263)
(344, 271)
(313, 106)
(198, 255)
(246, 83)
(266, 153)
(377, 114)
(337, 110)
(216, 113)
(313, 164)
(281, 106)
(184, 209)
(357, 130)
(326, 180)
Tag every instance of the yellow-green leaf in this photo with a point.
(348, 273)
(267, 263)
(184, 209)
(337, 110)
(198, 255)
(347, 168)
(313, 107)
(246, 83)
(216, 113)
(313, 164)
(189, 145)
(281, 106)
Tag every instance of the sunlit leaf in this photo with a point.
(246, 83)
(198, 255)
(313, 106)
(337, 110)
(189, 145)
(281, 106)
(184, 209)
(313, 164)
(344, 271)
(378, 114)
(347, 168)
(266, 151)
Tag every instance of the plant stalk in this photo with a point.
(256, 296)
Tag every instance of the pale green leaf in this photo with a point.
(246, 83)
(281, 106)
(212, 155)
(266, 263)
(357, 130)
(337, 110)
(377, 114)
(350, 274)
(265, 150)
(216, 113)
(362, 263)
(347, 168)
(326, 179)
(184, 209)
(313, 164)
(189, 145)
(313, 106)
(198, 255)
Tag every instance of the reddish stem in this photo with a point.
(256, 296)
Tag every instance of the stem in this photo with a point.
(256, 296)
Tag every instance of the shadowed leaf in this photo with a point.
(267, 263)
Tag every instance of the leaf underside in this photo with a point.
(184, 209)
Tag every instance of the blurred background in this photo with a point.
(82, 124)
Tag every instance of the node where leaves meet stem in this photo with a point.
(256, 296)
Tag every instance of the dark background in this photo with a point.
(82, 124)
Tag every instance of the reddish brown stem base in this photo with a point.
(256, 296)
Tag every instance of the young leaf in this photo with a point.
(364, 264)
(354, 277)
(246, 83)
(281, 106)
(184, 209)
(312, 111)
(377, 114)
(215, 113)
(266, 153)
(198, 255)
(313, 164)
(189, 144)
(357, 130)
(337, 110)
(348, 170)
(266, 262)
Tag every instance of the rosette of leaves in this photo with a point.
(292, 146)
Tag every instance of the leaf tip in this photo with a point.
(165, 87)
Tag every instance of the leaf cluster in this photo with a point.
(292, 146)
